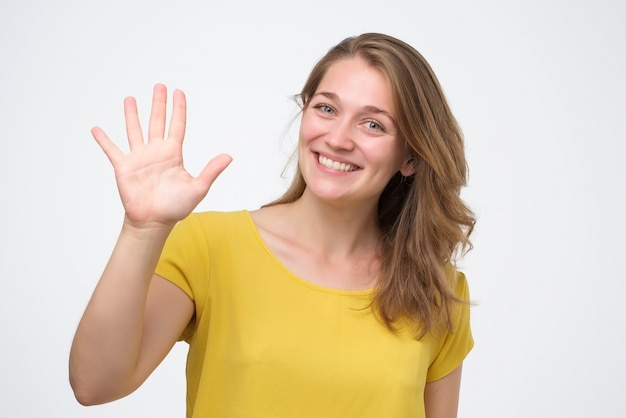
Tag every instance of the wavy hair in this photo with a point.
(424, 222)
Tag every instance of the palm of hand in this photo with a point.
(153, 184)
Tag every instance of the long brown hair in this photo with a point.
(424, 222)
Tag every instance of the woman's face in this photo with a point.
(349, 148)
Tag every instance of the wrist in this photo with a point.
(147, 231)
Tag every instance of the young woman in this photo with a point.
(339, 299)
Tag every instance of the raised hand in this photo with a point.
(153, 184)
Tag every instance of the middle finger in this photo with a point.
(156, 127)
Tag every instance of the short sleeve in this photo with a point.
(184, 261)
(457, 344)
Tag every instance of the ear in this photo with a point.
(408, 167)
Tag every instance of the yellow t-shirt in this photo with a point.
(267, 344)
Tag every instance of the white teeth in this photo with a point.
(326, 162)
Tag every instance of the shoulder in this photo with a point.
(200, 228)
(458, 283)
(214, 221)
(217, 217)
(268, 216)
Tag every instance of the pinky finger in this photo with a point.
(112, 152)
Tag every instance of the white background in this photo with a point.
(537, 86)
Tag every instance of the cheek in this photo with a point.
(310, 127)
(305, 135)
(304, 128)
(399, 151)
(389, 156)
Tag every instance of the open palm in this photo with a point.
(152, 181)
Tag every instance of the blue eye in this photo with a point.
(373, 125)
(324, 108)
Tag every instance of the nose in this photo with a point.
(341, 135)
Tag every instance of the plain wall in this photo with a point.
(537, 86)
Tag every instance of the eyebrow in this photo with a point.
(368, 108)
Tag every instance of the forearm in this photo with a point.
(121, 338)
(104, 358)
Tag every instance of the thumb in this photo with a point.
(213, 169)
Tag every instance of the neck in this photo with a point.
(335, 230)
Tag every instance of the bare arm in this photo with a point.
(441, 397)
(133, 317)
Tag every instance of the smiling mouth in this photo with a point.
(335, 165)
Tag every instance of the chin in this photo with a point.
(326, 194)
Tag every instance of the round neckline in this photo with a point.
(295, 277)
